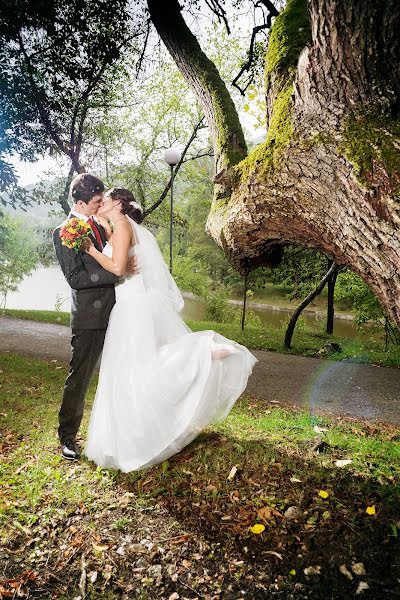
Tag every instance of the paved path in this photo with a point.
(338, 387)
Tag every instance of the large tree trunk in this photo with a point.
(328, 175)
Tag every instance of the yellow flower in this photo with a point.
(257, 528)
(370, 510)
(292, 572)
(323, 494)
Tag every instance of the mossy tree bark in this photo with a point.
(328, 174)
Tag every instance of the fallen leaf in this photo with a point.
(323, 494)
(267, 514)
(320, 429)
(343, 463)
(295, 480)
(275, 554)
(310, 571)
(100, 547)
(257, 528)
(344, 571)
(362, 586)
(292, 572)
(92, 576)
(233, 472)
(358, 569)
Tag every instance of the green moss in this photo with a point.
(280, 133)
(371, 135)
(204, 75)
(289, 34)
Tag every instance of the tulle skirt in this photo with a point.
(160, 384)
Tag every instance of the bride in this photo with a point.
(159, 383)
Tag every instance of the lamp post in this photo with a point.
(172, 156)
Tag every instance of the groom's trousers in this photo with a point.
(87, 345)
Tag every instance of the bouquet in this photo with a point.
(74, 232)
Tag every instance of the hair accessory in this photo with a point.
(136, 205)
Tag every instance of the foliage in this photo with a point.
(18, 253)
(301, 268)
(190, 277)
(352, 289)
(57, 62)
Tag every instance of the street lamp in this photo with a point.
(172, 156)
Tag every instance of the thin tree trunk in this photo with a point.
(330, 313)
(297, 312)
(244, 299)
(63, 199)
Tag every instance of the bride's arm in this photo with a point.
(122, 241)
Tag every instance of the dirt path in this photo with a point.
(339, 387)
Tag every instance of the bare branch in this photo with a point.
(218, 10)
(178, 166)
(250, 56)
(199, 155)
(141, 57)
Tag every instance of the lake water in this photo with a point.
(46, 287)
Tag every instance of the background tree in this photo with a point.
(18, 253)
(59, 62)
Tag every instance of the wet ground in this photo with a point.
(349, 389)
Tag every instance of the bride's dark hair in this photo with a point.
(129, 206)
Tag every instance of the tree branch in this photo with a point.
(203, 76)
(141, 57)
(178, 166)
(39, 105)
(209, 153)
(250, 57)
(218, 10)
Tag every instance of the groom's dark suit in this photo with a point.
(93, 297)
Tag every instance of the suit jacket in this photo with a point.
(92, 287)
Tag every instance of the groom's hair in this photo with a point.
(85, 186)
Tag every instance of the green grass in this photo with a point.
(305, 341)
(58, 519)
(44, 316)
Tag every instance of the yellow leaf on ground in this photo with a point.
(323, 494)
(370, 510)
(257, 528)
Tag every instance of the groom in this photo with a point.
(93, 296)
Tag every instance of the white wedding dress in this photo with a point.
(159, 383)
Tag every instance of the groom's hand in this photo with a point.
(132, 266)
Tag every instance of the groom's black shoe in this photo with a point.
(70, 450)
